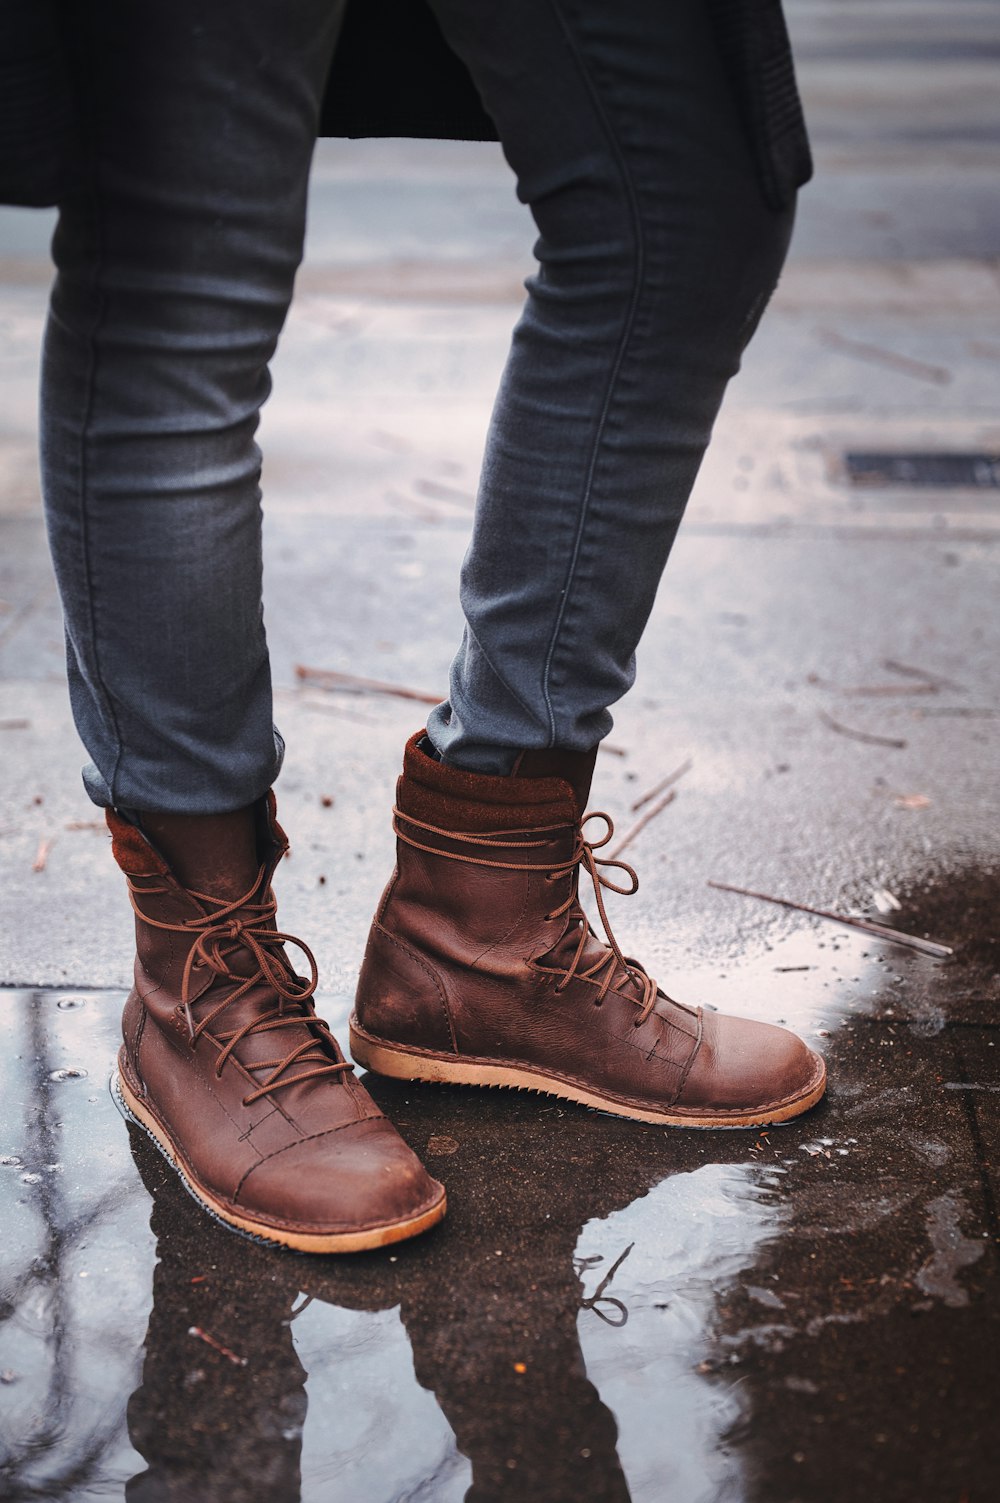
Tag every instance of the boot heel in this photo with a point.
(398, 1064)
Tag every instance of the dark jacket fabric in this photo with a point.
(416, 86)
(38, 129)
(393, 75)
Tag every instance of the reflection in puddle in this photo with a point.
(952, 1251)
(76, 1263)
(807, 981)
(362, 1385)
(691, 1236)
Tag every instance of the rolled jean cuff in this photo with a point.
(244, 787)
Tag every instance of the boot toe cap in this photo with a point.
(752, 1068)
(355, 1179)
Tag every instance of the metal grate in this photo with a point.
(937, 471)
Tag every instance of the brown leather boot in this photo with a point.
(482, 968)
(243, 1089)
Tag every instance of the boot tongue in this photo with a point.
(261, 1000)
(257, 1049)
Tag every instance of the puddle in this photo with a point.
(610, 1311)
(645, 1350)
(952, 1251)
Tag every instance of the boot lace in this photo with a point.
(613, 970)
(242, 925)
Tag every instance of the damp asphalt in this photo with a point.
(610, 1311)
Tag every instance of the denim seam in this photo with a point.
(626, 334)
(88, 405)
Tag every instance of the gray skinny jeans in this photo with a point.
(175, 263)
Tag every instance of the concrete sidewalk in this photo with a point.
(800, 1317)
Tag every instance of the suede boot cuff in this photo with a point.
(131, 849)
(452, 799)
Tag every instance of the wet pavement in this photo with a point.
(610, 1311)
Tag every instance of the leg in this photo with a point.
(657, 254)
(175, 269)
(175, 262)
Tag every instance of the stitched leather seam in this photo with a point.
(505, 937)
(694, 1055)
(247, 1072)
(442, 996)
(664, 1059)
(312, 1137)
(614, 379)
(387, 894)
(213, 1197)
(132, 1054)
(197, 1079)
(350, 1226)
(244, 1136)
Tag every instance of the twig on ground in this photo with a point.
(217, 1346)
(911, 941)
(14, 725)
(44, 846)
(923, 686)
(866, 736)
(331, 678)
(662, 785)
(875, 355)
(962, 712)
(412, 506)
(892, 665)
(328, 706)
(641, 824)
(612, 749)
(438, 491)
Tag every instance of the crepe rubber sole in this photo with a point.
(383, 1058)
(259, 1231)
